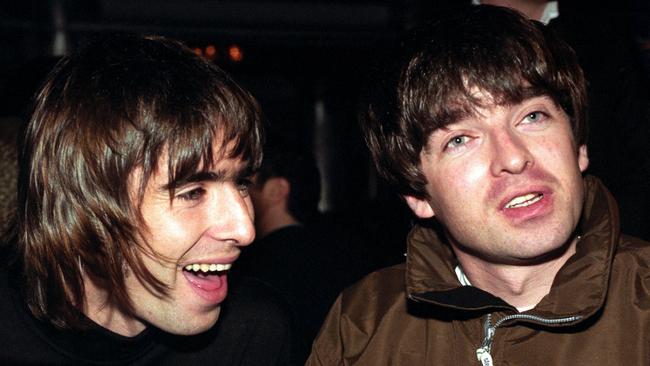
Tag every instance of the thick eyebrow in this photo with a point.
(208, 176)
(221, 175)
(526, 94)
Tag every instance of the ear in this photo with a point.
(283, 187)
(583, 158)
(421, 208)
(277, 189)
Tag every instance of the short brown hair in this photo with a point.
(118, 104)
(488, 48)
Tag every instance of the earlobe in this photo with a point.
(420, 207)
(583, 158)
(283, 187)
(276, 189)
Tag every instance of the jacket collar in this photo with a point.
(579, 288)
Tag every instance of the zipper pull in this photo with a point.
(483, 352)
(484, 357)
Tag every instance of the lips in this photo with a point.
(527, 205)
(208, 280)
(212, 288)
(525, 200)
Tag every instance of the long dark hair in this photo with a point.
(116, 105)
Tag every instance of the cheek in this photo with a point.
(558, 155)
(169, 231)
(458, 185)
(460, 177)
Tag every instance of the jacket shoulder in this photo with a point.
(359, 316)
(631, 269)
(633, 252)
(374, 294)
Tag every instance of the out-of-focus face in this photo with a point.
(196, 236)
(506, 183)
(257, 195)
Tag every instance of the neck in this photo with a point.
(273, 219)
(533, 9)
(522, 286)
(99, 309)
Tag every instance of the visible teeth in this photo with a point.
(525, 200)
(205, 267)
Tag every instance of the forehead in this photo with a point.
(478, 103)
(171, 172)
(175, 171)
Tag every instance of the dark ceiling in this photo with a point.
(305, 60)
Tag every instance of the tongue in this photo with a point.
(207, 283)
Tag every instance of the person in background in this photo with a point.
(133, 206)
(289, 255)
(518, 258)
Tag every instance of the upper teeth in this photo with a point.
(205, 267)
(525, 200)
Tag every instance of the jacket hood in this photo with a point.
(579, 288)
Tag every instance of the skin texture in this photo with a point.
(476, 166)
(207, 221)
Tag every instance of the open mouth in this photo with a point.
(205, 269)
(208, 280)
(525, 200)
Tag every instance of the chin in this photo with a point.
(191, 325)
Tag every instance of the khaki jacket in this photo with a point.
(597, 312)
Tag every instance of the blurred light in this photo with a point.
(210, 52)
(235, 53)
(198, 51)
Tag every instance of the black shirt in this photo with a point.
(252, 330)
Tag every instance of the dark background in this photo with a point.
(306, 61)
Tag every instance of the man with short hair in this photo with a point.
(288, 253)
(286, 190)
(133, 207)
(524, 263)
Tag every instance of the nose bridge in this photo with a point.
(510, 153)
(231, 217)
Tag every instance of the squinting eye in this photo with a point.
(192, 195)
(457, 141)
(243, 186)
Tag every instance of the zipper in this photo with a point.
(483, 352)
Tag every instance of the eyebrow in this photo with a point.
(527, 93)
(221, 175)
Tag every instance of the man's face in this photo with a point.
(198, 235)
(506, 183)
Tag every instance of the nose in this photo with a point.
(510, 154)
(232, 218)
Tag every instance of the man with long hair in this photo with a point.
(133, 206)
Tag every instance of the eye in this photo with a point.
(243, 186)
(534, 117)
(457, 141)
(191, 195)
